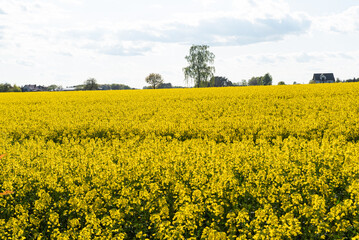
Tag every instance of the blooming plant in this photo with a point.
(273, 162)
(5, 192)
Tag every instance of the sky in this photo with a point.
(65, 42)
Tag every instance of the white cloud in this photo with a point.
(298, 57)
(248, 22)
(81, 38)
(1, 31)
(220, 31)
(25, 63)
(253, 9)
(344, 22)
(215, 31)
(207, 3)
(234, 31)
(124, 49)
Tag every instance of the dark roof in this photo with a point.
(328, 76)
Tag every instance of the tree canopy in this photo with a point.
(115, 86)
(220, 82)
(90, 84)
(154, 79)
(6, 87)
(263, 80)
(199, 69)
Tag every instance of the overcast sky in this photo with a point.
(65, 42)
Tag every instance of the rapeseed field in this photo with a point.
(270, 162)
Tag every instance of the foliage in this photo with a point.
(255, 81)
(216, 163)
(220, 82)
(165, 85)
(340, 81)
(199, 69)
(350, 80)
(90, 84)
(105, 87)
(263, 80)
(6, 87)
(115, 86)
(281, 83)
(267, 79)
(54, 87)
(7, 192)
(243, 83)
(154, 79)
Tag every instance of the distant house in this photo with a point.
(323, 78)
(33, 88)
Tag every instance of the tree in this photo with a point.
(198, 70)
(254, 81)
(105, 87)
(165, 85)
(281, 83)
(5, 87)
(116, 86)
(243, 83)
(15, 88)
(54, 87)
(90, 84)
(154, 79)
(267, 79)
(220, 82)
(263, 80)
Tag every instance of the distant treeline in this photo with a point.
(255, 81)
(341, 81)
(163, 86)
(218, 81)
(6, 87)
(348, 80)
(91, 84)
(113, 86)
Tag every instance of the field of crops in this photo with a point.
(273, 162)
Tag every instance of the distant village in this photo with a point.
(91, 84)
(40, 88)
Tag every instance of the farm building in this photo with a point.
(323, 78)
(33, 88)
